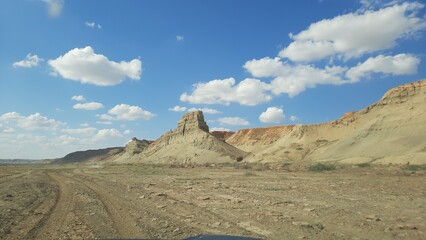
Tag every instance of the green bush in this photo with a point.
(414, 168)
(321, 167)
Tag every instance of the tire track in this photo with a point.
(124, 225)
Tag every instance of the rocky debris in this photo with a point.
(373, 217)
(136, 146)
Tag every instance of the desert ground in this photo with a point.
(90, 201)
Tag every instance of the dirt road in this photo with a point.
(137, 201)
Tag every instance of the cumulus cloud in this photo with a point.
(247, 92)
(180, 38)
(293, 79)
(87, 131)
(104, 134)
(78, 98)
(130, 113)
(86, 66)
(272, 115)
(294, 118)
(177, 109)
(105, 117)
(401, 64)
(32, 122)
(54, 7)
(29, 61)
(93, 25)
(88, 106)
(221, 129)
(234, 121)
(354, 34)
(205, 110)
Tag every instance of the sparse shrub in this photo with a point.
(319, 226)
(299, 148)
(414, 168)
(248, 174)
(321, 167)
(363, 165)
(239, 158)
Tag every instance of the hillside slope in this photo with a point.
(392, 130)
(189, 143)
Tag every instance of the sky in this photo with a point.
(78, 75)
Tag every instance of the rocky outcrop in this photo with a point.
(189, 143)
(391, 130)
(136, 146)
(192, 120)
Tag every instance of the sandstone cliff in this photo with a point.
(392, 130)
(189, 143)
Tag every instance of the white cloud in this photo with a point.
(87, 131)
(127, 131)
(85, 66)
(293, 79)
(294, 118)
(401, 64)
(78, 98)
(88, 106)
(54, 7)
(355, 34)
(105, 117)
(29, 61)
(32, 122)
(104, 134)
(177, 109)
(221, 129)
(93, 25)
(247, 92)
(84, 125)
(205, 110)
(8, 130)
(180, 38)
(130, 113)
(235, 121)
(272, 115)
(104, 122)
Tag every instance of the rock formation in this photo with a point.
(189, 143)
(392, 130)
(136, 146)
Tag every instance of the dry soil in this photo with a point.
(169, 202)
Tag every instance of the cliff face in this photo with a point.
(191, 121)
(392, 130)
(189, 143)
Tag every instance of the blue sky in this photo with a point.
(78, 75)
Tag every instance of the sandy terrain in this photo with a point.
(143, 201)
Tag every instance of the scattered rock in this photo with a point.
(373, 217)
(203, 198)
(407, 227)
(309, 209)
(160, 195)
(302, 224)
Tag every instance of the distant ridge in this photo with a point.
(90, 155)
